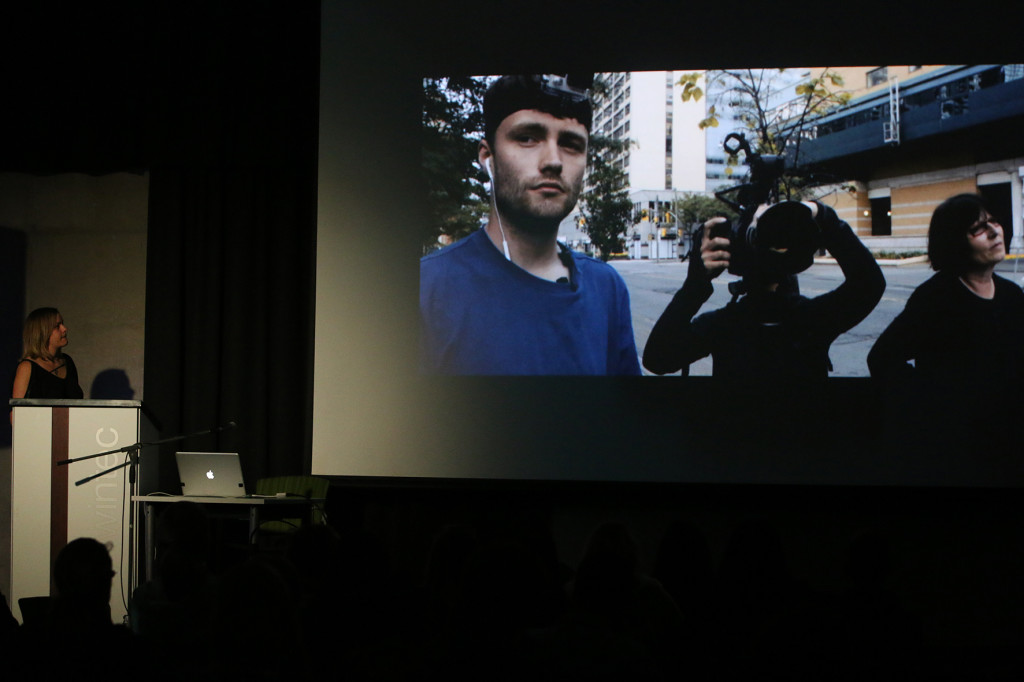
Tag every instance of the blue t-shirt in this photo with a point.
(482, 314)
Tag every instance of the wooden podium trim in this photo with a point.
(60, 417)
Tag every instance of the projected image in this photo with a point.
(619, 223)
(605, 257)
(509, 298)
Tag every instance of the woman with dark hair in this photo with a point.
(45, 371)
(961, 330)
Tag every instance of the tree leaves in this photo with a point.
(606, 204)
(452, 127)
(755, 97)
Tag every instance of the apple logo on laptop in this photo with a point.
(209, 474)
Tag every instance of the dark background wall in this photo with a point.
(12, 305)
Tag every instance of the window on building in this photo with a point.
(1012, 72)
(878, 76)
(999, 199)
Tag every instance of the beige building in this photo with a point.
(913, 136)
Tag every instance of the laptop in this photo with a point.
(210, 474)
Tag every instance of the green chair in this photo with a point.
(309, 487)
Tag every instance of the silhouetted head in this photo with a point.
(83, 571)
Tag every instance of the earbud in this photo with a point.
(504, 242)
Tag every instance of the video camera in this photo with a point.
(783, 240)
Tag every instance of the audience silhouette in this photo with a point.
(79, 623)
(171, 611)
(493, 601)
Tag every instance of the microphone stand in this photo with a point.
(132, 461)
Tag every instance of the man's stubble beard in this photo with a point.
(540, 218)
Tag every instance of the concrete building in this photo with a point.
(924, 134)
(670, 155)
(665, 157)
(952, 131)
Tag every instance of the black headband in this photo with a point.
(563, 97)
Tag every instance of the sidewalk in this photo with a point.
(916, 260)
(883, 262)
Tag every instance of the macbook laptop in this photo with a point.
(210, 474)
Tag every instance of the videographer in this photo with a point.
(769, 332)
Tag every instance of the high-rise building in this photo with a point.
(666, 145)
(665, 156)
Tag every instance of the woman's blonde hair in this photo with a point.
(36, 334)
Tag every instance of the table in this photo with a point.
(252, 504)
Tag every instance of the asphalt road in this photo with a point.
(653, 283)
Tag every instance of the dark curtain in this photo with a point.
(232, 212)
(13, 252)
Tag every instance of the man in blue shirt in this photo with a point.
(509, 299)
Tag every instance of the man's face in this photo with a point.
(538, 162)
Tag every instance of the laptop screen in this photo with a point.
(217, 474)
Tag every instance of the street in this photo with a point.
(653, 283)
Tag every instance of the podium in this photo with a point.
(48, 510)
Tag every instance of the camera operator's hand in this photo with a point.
(714, 251)
(825, 217)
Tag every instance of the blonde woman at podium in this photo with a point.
(45, 371)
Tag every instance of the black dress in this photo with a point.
(49, 386)
(958, 342)
(949, 374)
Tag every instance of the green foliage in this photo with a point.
(898, 255)
(698, 208)
(452, 128)
(605, 204)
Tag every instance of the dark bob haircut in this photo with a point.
(948, 246)
(510, 94)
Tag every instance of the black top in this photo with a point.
(768, 337)
(48, 386)
(955, 339)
